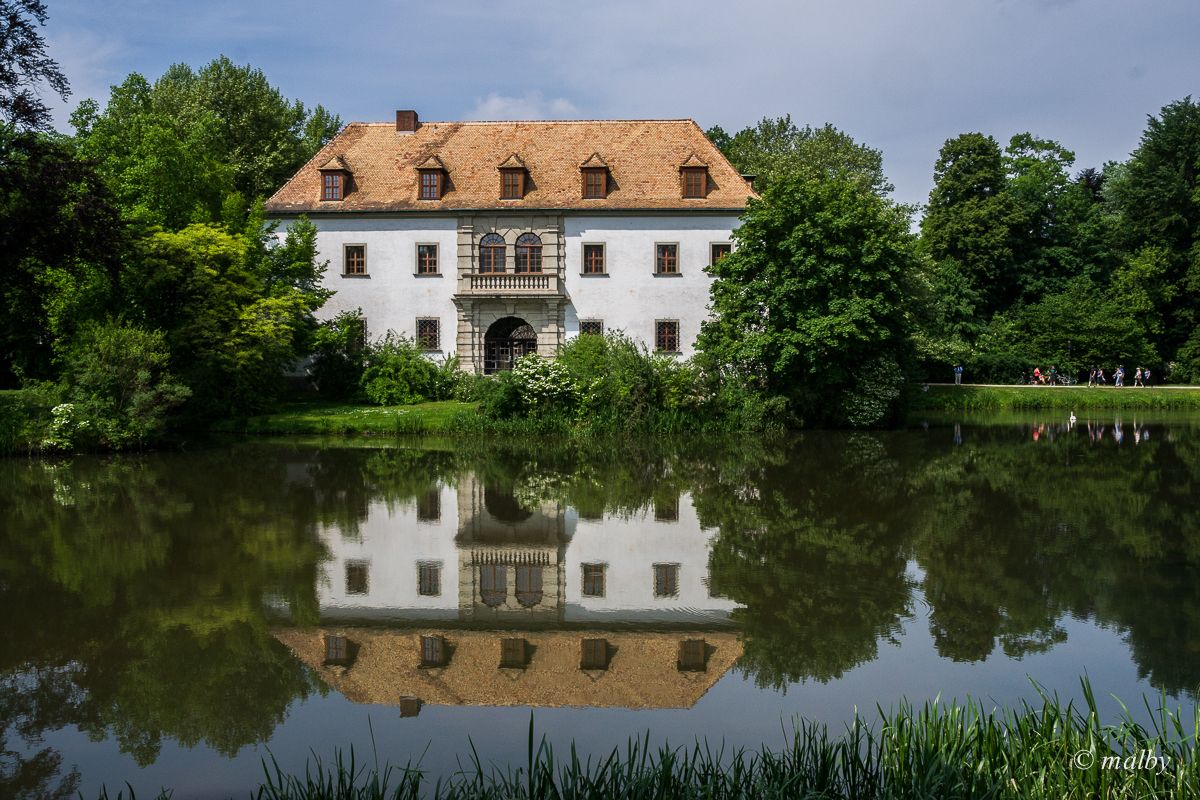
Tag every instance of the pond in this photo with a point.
(172, 619)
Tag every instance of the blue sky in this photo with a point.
(900, 75)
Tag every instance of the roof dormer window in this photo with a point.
(512, 178)
(595, 178)
(335, 175)
(693, 177)
(432, 174)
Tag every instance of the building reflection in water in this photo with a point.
(468, 596)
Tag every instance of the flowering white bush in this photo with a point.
(543, 383)
(65, 424)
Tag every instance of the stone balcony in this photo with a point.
(508, 284)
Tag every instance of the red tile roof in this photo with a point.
(643, 159)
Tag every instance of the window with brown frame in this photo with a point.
(513, 654)
(332, 186)
(594, 654)
(666, 509)
(692, 655)
(529, 253)
(512, 184)
(429, 506)
(337, 650)
(491, 253)
(593, 259)
(666, 259)
(529, 586)
(429, 580)
(695, 182)
(493, 584)
(666, 580)
(593, 326)
(427, 259)
(595, 184)
(593, 580)
(427, 333)
(666, 335)
(355, 262)
(431, 184)
(718, 251)
(356, 577)
(433, 651)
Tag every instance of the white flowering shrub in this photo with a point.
(544, 384)
(66, 424)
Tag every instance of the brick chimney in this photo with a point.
(406, 121)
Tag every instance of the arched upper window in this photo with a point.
(529, 253)
(491, 253)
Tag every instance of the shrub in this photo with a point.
(118, 388)
(546, 386)
(339, 356)
(396, 373)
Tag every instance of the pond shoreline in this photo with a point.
(982, 397)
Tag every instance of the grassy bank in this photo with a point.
(1048, 750)
(1030, 398)
(342, 418)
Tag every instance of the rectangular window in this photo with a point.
(593, 259)
(595, 184)
(512, 184)
(594, 655)
(666, 580)
(429, 506)
(355, 260)
(427, 259)
(331, 186)
(433, 651)
(427, 333)
(356, 577)
(718, 251)
(692, 655)
(666, 509)
(695, 182)
(593, 580)
(337, 650)
(429, 580)
(666, 336)
(431, 184)
(666, 259)
(593, 326)
(512, 653)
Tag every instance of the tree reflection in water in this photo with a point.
(139, 592)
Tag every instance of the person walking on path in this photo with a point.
(958, 370)
(1092, 377)
(1119, 376)
(1146, 377)
(1137, 378)
(1100, 379)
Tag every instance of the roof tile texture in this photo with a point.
(643, 158)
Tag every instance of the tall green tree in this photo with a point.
(810, 304)
(968, 221)
(1159, 201)
(776, 148)
(175, 150)
(25, 66)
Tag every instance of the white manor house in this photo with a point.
(490, 240)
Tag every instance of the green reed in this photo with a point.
(1049, 749)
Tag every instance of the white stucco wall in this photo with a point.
(629, 548)
(393, 544)
(392, 295)
(630, 297)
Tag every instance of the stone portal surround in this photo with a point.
(544, 313)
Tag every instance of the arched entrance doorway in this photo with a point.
(505, 341)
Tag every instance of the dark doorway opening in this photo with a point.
(505, 341)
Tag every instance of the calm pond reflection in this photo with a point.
(166, 618)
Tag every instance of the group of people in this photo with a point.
(1048, 378)
(1096, 377)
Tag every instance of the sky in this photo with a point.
(899, 75)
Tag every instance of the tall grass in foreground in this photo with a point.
(1045, 750)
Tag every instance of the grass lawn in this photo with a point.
(943, 397)
(348, 418)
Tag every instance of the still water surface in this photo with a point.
(168, 620)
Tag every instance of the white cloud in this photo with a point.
(531, 105)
